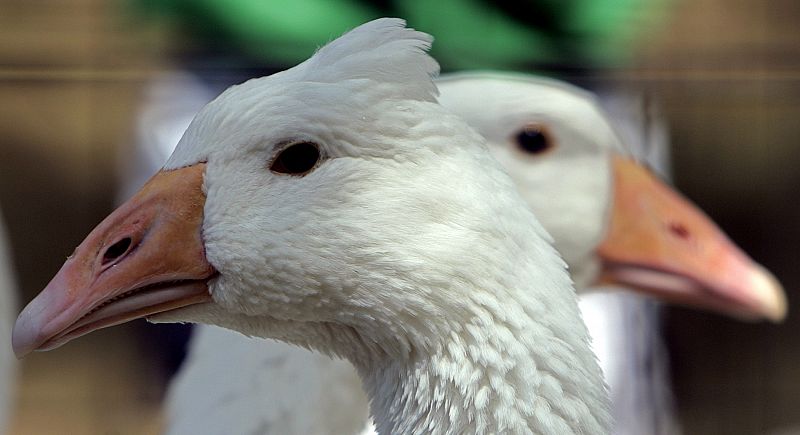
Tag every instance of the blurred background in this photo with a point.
(725, 74)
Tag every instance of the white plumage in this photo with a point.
(393, 108)
(407, 250)
(272, 388)
(569, 191)
(573, 181)
(624, 326)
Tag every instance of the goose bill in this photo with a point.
(663, 245)
(147, 257)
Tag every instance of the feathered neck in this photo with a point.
(514, 367)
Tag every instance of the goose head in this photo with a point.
(334, 205)
(613, 220)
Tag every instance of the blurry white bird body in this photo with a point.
(272, 389)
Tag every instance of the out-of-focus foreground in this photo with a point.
(725, 74)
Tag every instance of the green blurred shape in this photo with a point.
(504, 34)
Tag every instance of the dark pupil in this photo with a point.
(297, 159)
(532, 140)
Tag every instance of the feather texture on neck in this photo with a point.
(509, 367)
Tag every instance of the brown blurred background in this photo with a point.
(726, 74)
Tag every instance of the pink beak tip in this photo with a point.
(23, 340)
(770, 294)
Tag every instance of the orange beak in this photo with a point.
(662, 244)
(145, 258)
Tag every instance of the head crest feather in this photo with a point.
(383, 51)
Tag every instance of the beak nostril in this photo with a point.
(679, 230)
(116, 250)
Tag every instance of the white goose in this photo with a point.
(8, 306)
(557, 146)
(336, 206)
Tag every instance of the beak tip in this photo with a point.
(29, 332)
(21, 340)
(38, 321)
(770, 295)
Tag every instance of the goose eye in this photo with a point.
(533, 139)
(296, 159)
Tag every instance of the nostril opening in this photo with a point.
(116, 250)
(679, 230)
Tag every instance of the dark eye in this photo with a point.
(533, 139)
(296, 159)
